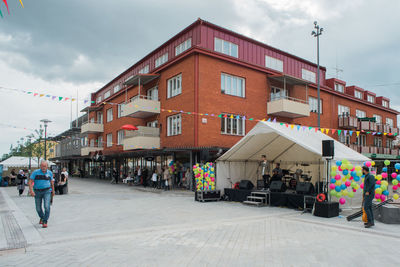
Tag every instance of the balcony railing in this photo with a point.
(383, 128)
(88, 149)
(394, 152)
(347, 122)
(92, 127)
(288, 107)
(141, 107)
(143, 138)
(394, 131)
(367, 126)
(374, 150)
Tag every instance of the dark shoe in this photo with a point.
(44, 225)
(41, 221)
(368, 225)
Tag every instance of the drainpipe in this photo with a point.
(196, 99)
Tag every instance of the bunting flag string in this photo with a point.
(8, 10)
(130, 104)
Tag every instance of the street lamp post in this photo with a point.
(45, 122)
(317, 33)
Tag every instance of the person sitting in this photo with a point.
(128, 179)
(276, 176)
(278, 169)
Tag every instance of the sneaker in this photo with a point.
(41, 221)
(368, 225)
(44, 225)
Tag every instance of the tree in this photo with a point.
(35, 144)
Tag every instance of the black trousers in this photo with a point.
(266, 180)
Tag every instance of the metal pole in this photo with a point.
(45, 141)
(318, 89)
(77, 101)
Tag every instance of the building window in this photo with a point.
(308, 75)
(120, 136)
(109, 114)
(161, 60)
(174, 86)
(361, 140)
(345, 139)
(343, 110)
(389, 143)
(377, 141)
(313, 102)
(92, 119)
(339, 87)
(371, 98)
(119, 110)
(389, 122)
(274, 63)
(117, 88)
(183, 46)
(225, 47)
(278, 93)
(91, 143)
(100, 141)
(98, 99)
(144, 70)
(109, 140)
(378, 118)
(100, 117)
(385, 103)
(153, 124)
(358, 94)
(361, 114)
(233, 124)
(232, 85)
(107, 94)
(152, 94)
(174, 125)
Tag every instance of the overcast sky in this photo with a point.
(59, 47)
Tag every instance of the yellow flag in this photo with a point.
(358, 133)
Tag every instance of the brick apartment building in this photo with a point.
(207, 70)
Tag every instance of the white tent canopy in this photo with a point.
(21, 162)
(290, 147)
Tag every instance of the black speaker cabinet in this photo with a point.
(304, 188)
(328, 148)
(246, 184)
(277, 186)
(326, 209)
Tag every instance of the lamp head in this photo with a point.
(315, 23)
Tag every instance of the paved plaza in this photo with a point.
(100, 224)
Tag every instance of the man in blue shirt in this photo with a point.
(41, 186)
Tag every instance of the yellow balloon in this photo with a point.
(385, 183)
(378, 191)
(345, 192)
(334, 168)
(358, 168)
(338, 182)
(344, 179)
(396, 196)
(379, 177)
(372, 163)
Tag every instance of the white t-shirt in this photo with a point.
(154, 177)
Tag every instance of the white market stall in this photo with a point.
(291, 147)
(21, 163)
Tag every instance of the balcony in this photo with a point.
(140, 107)
(144, 138)
(88, 149)
(373, 150)
(92, 127)
(364, 149)
(288, 107)
(383, 128)
(384, 150)
(348, 122)
(394, 131)
(367, 126)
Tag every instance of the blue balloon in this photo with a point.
(377, 186)
(357, 178)
(343, 186)
(338, 163)
(384, 169)
(386, 193)
(397, 166)
(333, 180)
(398, 177)
(353, 173)
(338, 188)
(345, 172)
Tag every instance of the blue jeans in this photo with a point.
(368, 207)
(45, 196)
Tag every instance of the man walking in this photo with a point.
(368, 194)
(41, 186)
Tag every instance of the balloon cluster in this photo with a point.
(344, 180)
(382, 186)
(204, 176)
(172, 167)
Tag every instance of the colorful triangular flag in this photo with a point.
(5, 2)
(358, 133)
(339, 132)
(60, 98)
(333, 131)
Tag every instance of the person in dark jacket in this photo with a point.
(368, 195)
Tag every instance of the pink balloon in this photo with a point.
(354, 190)
(340, 168)
(332, 186)
(373, 172)
(383, 197)
(337, 177)
(394, 175)
(384, 175)
(362, 186)
(342, 200)
(351, 178)
(368, 163)
(354, 168)
(378, 182)
(395, 187)
(377, 196)
(347, 183)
